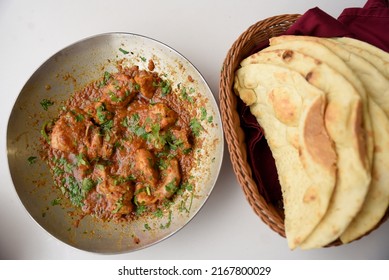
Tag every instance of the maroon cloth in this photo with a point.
(369, 24)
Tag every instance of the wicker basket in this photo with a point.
(256, 35)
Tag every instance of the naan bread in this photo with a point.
(320, 52)
(344, 125)
(377, 200)
(371, 53)
(365, 46)
(291, 112)
(377, 89)
(374, 82)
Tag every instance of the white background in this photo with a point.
(203, 31)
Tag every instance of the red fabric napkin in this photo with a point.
(369, 24)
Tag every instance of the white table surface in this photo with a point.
(203, 31)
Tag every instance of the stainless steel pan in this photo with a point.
(68, 70)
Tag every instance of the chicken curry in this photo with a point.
(122, 145)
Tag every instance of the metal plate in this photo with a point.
(67, 71)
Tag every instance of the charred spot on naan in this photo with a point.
(286, 106)
(316, 137)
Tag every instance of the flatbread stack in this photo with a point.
(323, 104)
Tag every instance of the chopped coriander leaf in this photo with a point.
(135, 86)
(203, 113)
(119, 180)
(185, 95)
(148, 190)
(46, 103)
(58, 171)
(124, 122)
(156, 138)
(114, 97)
(167, 225)
(158, 213)
(165, 86)
(171, 186)
(162, 164)
(75, 193)
(182, 207)
(79, 117)
(141, 132)
(100, 167)
(81, 160)
(106, 126)
(188, 187)
(195, 126)
(131, 122)
(143, 58)
(103, 114)
(105, 80)
(56, 201)
(174, 142)
(44, 131)
(210, 119)
(124, 51)
(185, 187)
(191, 201)
(141, 209)
(167, 203)
(31, 159)
(87, 184)
(119, 205)
(107, 76)
(147, 227)
(155, 128)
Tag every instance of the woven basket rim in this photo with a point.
(234, 134)
(231, 122)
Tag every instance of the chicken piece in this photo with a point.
(146, 80)
(107, 148)
(94, 141)
(151, 117)
(124, 204)
(156, 141)
(82, 167)
(144, 167)
(170, 180)
(98, 143)
(143, 195)
(181, 139)
(67, 129)
(120, 90)
(123, 158)
(160, 114)
(99, 112)
(118, 194)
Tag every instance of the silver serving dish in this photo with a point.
(71, 69)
